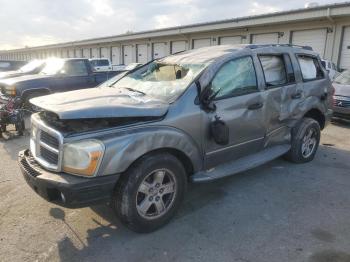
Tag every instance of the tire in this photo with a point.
(302, 151)
(140, 211)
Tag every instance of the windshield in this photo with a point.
(164, 81)
(53, 66)
(31, 66)
(343, 78)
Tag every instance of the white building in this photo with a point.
(326, 28)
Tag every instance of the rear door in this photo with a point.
(239, 103)
(281, 95)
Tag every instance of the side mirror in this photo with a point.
(207, 96)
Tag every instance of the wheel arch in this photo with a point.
(317, 115)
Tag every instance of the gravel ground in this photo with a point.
(277, 212)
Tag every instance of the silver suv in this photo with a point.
(195, 116)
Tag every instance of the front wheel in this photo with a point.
(150, 192)
(305, 140)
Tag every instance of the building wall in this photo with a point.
(335, 29)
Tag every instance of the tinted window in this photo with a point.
(310, 67)
(274, 70)
(236, 77)
(75, 68)
(103, 63)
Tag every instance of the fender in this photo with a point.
(124, 149)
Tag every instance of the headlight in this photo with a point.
(10, 90)
(83, 157)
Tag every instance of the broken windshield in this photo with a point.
(164, 81)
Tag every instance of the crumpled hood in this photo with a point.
(105, 102)
(341, 90)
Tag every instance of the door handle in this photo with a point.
(255, 106)
(297, 95)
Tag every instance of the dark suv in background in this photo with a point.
(195, 116)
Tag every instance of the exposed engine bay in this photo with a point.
(89, 124)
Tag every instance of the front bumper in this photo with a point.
(65, 189)
(341, 112)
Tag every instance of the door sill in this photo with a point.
(241, 164)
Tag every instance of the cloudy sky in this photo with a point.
(40, 22)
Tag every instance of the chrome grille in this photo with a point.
(339, 102)
(46, 145)
(49, 156)
(49, 139)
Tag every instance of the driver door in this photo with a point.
(239, 104)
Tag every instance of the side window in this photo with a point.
(235, 78)
(310, 67)
(76, 68)
(274, 70)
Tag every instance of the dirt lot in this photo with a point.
(277, 212)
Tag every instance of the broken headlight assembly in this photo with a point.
(83, 157)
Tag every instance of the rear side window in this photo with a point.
(310, 68)
(76, 68)
(274, 70)
(236, 77)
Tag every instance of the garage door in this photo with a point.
(86, 52)
(142, 54)
(198, 43)
(159, 50)
(230, 40)
(105, 52)
(345, 50)
(127, 54)
(78, 53)
(178, 46)
(116, 55)
(71, 53)
(314, 38)
(94, 53)
(271, 38)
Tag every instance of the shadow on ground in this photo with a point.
(220, 204)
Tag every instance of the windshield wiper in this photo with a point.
(134, 90)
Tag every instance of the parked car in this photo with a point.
(31, 68)
(341, 105)
(101, 64)
(331, 68)
(197, 116)
(58, 75)
(9, 65)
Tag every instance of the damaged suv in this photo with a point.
(195, 116)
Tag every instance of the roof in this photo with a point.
(245, 21)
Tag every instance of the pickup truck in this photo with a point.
(32, 68)
(58, 75)
(100, 64)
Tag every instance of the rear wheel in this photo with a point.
(150, 192)
(305, 140)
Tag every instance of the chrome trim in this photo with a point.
(232, 146)
(39, 126)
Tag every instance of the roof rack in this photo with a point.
(253, 46)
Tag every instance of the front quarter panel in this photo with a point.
(128, 146)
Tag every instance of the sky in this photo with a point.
(40, 22)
